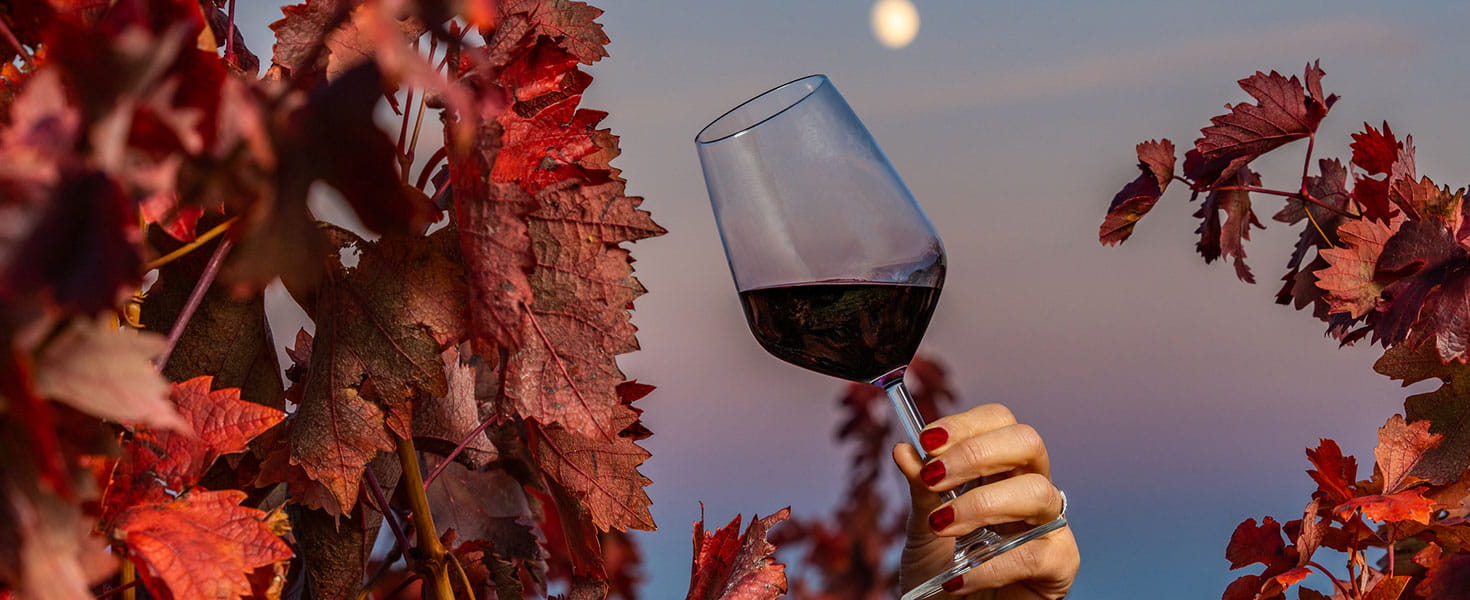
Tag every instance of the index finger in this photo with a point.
(945, 432)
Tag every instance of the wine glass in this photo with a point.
(837, 268)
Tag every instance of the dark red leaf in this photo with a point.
(1335, 474)
(1253, 543)
(729, 568)
(1283, 112)
(1156, 161)
(1227, 240)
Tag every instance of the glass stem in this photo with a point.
(913, 423)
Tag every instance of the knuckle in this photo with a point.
(1026, 436)
(1029, 559)
(984, 503)
(1037, 488)
(996, 413)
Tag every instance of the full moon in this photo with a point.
(895, 22)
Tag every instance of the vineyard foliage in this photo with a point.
(1383, 255)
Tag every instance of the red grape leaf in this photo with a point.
(1312, 529)
(154, 461)
(1409, 505)
(1283, 112)
(544, 69)
(336, 549)
(1416, 261)
(621, 555)
(1156, 161)
(1447, 580)
(1227, 240)
(1335, 474)
(302, 31)
(107, 372)
(726, 569)
(572, 24)
(1320, 232)
(442, 424)
(1412, 364)
(1447, 409)
(1251, 543)
(200, 545)
(390, 318)
(566, 372)
(1400, 447)
(1375, 151)
(487, 506)
(1422, 199)
(546, 147)
(491, 219)
(601, 473)
(573, 547)
(1349, 282)
(1292, 576)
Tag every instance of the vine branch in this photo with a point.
(196, 296)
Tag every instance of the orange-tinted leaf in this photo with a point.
(1375, 152)
(1400, 447)
(199, 545)
(1388, 588)
(1310, 537)
(729, 568)
(1349, 282)
(1335, 474)
(1410, 505)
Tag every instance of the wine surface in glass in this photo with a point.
(854, 330)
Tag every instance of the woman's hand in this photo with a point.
(985, 441)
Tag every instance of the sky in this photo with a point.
(1175, 400)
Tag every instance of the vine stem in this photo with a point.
(206, 279)
(230, 35)
(1335, 581)
(423, 520)
(15, 43)
(382, 500)
(449, 458)
(1297, 195)
(121, 588)
(191, 246)
(127, 581)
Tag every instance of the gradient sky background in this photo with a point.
(1175, 400)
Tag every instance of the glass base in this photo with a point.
(977, 554)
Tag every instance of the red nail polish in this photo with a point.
(954, 584)
(941, 518)
(933, 438)
(932, 473)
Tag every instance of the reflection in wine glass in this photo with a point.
(837, 268)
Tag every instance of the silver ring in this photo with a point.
(1064, 502)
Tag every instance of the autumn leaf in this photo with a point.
(487, 506)
(1349, 279)
(1409, 505)
(1375, 152)
(729, 568)
(566, 372)
(107, 372)
(1335, 474)
(218, 423)
(572, 24)
(1400, 447)
(1447, 409)
(202, 544)
(453, 421)
(1156, 161)
(1424, 271)
(601, 473)
(391, 316)
(1227, 240)
(1253, 543)
(1283, 112)
(1447, 580)
(545, 148)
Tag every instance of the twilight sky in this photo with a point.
(1175, 400)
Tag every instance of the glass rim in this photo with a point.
(700, 137)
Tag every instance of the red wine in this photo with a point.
(855, 330)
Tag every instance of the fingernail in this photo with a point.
(932, 473)
(933, 438)
(941, 518)
(954, 584)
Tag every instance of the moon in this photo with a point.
(895, 22)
